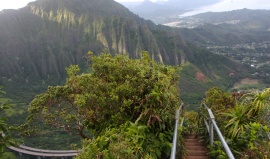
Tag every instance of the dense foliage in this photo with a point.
(120, 98)
(5, 134)
(244, 121)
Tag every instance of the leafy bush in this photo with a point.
(243, 123)
(119, 91)
(128, 141)
(191, 122)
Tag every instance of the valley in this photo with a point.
(95, 69)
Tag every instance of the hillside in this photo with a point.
(59, 35)
(242, 35)
(40, 40)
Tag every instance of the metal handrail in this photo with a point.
(177, 114)
(42, 152)
(213, 124)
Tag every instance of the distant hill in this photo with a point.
(191, 4)
(160, 12)
(40, 40)
(239, 26)
(148, 7)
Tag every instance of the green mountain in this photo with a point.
(48, 35)
(40, 40)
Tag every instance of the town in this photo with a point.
(256, 55)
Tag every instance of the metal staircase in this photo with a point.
(195, 149)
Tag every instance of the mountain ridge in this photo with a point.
(39, 41)
(104, 29)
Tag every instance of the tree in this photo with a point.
(5, 138)
(218, 99)
(119, 90)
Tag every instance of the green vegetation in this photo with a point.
(8, 155)
(190, 122)
(198, 75)
(5, 129)
(243, 120)
(120, 98)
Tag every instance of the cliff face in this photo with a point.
(48, 35)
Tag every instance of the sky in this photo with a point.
(223, 5)
(15, 4)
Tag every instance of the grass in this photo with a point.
(248, 84)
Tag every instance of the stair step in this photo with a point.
(191, 137)
(191, 140)
(194, 144)
(195, 157)
(196, 147)
(196, 153)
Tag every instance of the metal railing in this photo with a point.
(21, 149)
(177, 115)
(212, 124)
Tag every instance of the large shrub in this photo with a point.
(117, 94)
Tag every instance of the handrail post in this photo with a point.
(182, 122)
(173, 152)
(207, 125)
(211, 133)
